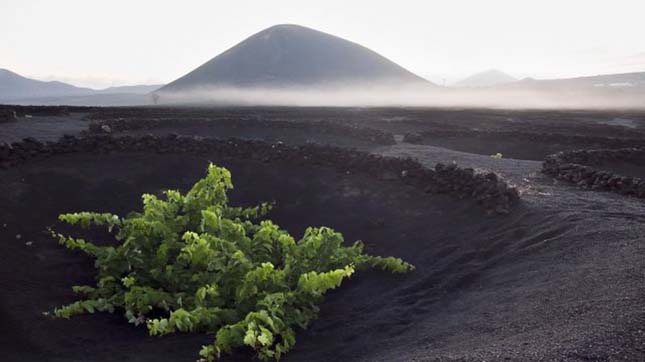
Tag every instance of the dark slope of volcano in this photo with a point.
(292, 55)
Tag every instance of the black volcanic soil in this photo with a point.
(519, 134)
(559, 279)
(42, 127)
(292, 136)
(634, 168)
(527, 135)
(506, 144)
(525, 146)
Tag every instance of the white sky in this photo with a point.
(102, 43)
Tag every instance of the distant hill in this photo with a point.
(487, 78)
(291, 55)
(102, 100)
(130, 89)
(609, 91)
(14, 86)
(625, 81)
(17, 89)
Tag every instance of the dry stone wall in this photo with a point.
(584, 168)
(487, 190)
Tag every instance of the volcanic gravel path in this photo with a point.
(589, 272)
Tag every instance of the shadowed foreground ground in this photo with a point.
(560, 278)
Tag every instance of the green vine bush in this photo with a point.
(192, 263)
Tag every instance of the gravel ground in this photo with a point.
(43, 128)
(560, 279)
(598, 238)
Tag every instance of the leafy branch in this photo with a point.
(204, 266)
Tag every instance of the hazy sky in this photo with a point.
(101, 43)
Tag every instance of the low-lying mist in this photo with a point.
(409, 96)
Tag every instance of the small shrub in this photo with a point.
(192, 263)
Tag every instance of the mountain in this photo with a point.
(609, 91)
(131, 89)
(291, 55)
(487, 78)
(624, 81)
(14, 86)
(17, 89)
(94, 100)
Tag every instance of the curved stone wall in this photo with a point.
(487, 190)
(550, 138)
(323, 127)
(584, 168)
